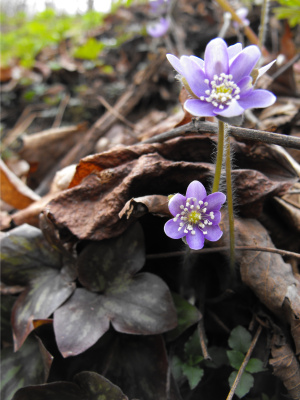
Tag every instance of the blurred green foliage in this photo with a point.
(289, 10)
(22, 39)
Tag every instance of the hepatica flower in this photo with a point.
(221, 85)
(242, 13)
(158, 28)
(196, 216)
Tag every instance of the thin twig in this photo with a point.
(244, 363)
(61, 109)
(238, 133)
(201, 333)
(225, 248)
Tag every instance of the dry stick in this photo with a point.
(244, 363)
(238, 133)
(247, 30)
(61, 110)
(123, 106)
(201, 334)
(225, 248)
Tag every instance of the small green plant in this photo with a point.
(289, 10)
(240, 341)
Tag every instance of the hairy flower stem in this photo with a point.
(263, 23)
(219, 160)
(230, 203)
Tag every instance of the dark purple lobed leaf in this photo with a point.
(22, 368)
(87, 386)
(24, 254)
(110, 262)
(142, 305)
(43, 296)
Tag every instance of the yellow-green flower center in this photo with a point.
(194, 217)
(223, 89)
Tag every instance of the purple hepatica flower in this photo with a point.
(221, 85)
(242, 13)
(159, 7)
(158, 28)
(196, 216)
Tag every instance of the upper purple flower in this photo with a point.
(196, 216)
(242, 13)
(221, 84)
(158, 28)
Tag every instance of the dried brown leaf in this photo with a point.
(155, 204)
(285, 365)
(13, 190)
(269, 277)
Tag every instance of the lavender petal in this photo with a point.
(199, 108)
(233, 51)
(213, 233)
(196, 241)
(175, 62)
(194, 76)
(174, 204)
(216, 58)
(258, 98)
(234, 109)
(197, 190)
(244, 62)
(215, 201)
(171, 229)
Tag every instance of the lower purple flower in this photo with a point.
(158, 28)
(196, 216)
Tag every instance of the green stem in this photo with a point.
(219, 161)
(230, 203)
(263, 23)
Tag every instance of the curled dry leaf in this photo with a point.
(139, 206)
(269, 277)
(103, 183)
(285, 365)
(13, 190)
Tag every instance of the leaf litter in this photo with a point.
(108, 303)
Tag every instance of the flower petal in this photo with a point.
(196, 189)
(195, 242)
(233, 51)
(215, 201)
(174, 204)
(175, 62)
(158, 28)
(213, 233)
(171, 229)
(216, 58)
(232, 110)
(199, 108)
(217, 218)
(245, 84)
(198, 60)
(194, 76)
(258, 98)
(244, 62)
(264, 69)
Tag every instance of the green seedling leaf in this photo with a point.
(255, 365)
(240, 339)
(235, 358)
(187, 315)
(245, 384)
(88, 386)
(90, 50)
(193, 350)
(28, 259)
(135, 304)
(193, 374)
(25, 367)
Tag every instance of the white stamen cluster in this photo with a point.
(193, 215)
(223, 90)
